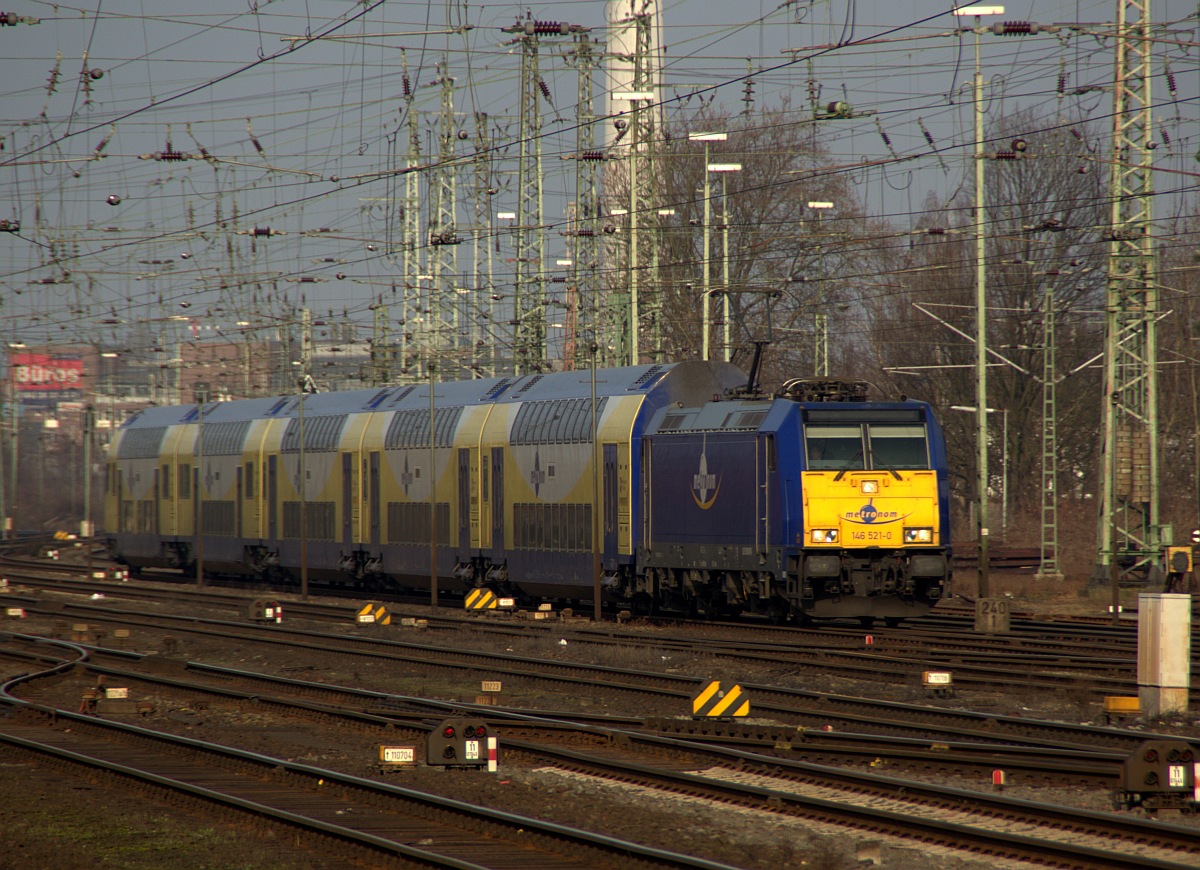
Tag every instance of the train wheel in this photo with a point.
(892, 621)
(778, 612)
(642, 604)
(866, 621)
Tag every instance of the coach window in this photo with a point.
(249, 480)
(166, 481)
(898, 446)
(834, 448)
(185, 480)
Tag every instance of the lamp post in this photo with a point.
(199, 472)
(596, 507)
(980, 297)
(636, 98)
(1003, 463)
(820, 319)
(3, 495)
(10, 521)
(304, 384)
(433, 570)
(724, 169)
(704, 283)
(110, 355)
(88, 535)
(618, 309)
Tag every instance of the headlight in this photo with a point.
(869, 486)
(824, 536)
(918, 536)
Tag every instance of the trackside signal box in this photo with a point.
(1160, 774)
(265, 611)
(460, 743)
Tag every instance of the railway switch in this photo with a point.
(1162, 774)
(461, 743)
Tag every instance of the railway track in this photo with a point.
(360, 817)
(1097, 769)
(994, 826)
(1021, 664)
(805, 707)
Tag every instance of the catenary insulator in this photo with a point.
(1015, 28)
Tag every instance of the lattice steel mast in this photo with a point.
(483, 283)
(585, 228)
(443, 300)
(1048, 568)
(411, 228)
(1129, 520)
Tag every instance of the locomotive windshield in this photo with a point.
(866, 446)
(895, 446)
(832, 448)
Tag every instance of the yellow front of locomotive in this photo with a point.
(868, 508)
(875, 526)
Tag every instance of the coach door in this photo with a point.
(373, 497)
(348, 500)
(272, 497)
(764, 463)
(497, 504)
(610, 505)
(237, 511)
(464, 501)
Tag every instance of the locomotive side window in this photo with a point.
(834, 448)
(896, 446)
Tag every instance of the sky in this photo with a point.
(286, 121)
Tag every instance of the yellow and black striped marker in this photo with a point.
(375, 613)
(481, 599)
(712, 702)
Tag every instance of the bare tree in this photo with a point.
(1044, 225)
(785, 261)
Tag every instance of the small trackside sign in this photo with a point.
(398, 754)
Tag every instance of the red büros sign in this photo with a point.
(39, 371)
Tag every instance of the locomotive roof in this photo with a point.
(768, 414)
(688, 382)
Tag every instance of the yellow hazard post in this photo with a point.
(481, 599)
(713, 702)
(374, 613)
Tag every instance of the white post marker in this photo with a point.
(493, 749)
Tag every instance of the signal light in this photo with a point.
(448, 732)
(1151, 755)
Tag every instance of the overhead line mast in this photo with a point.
(1131, 538)
(529, 268)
